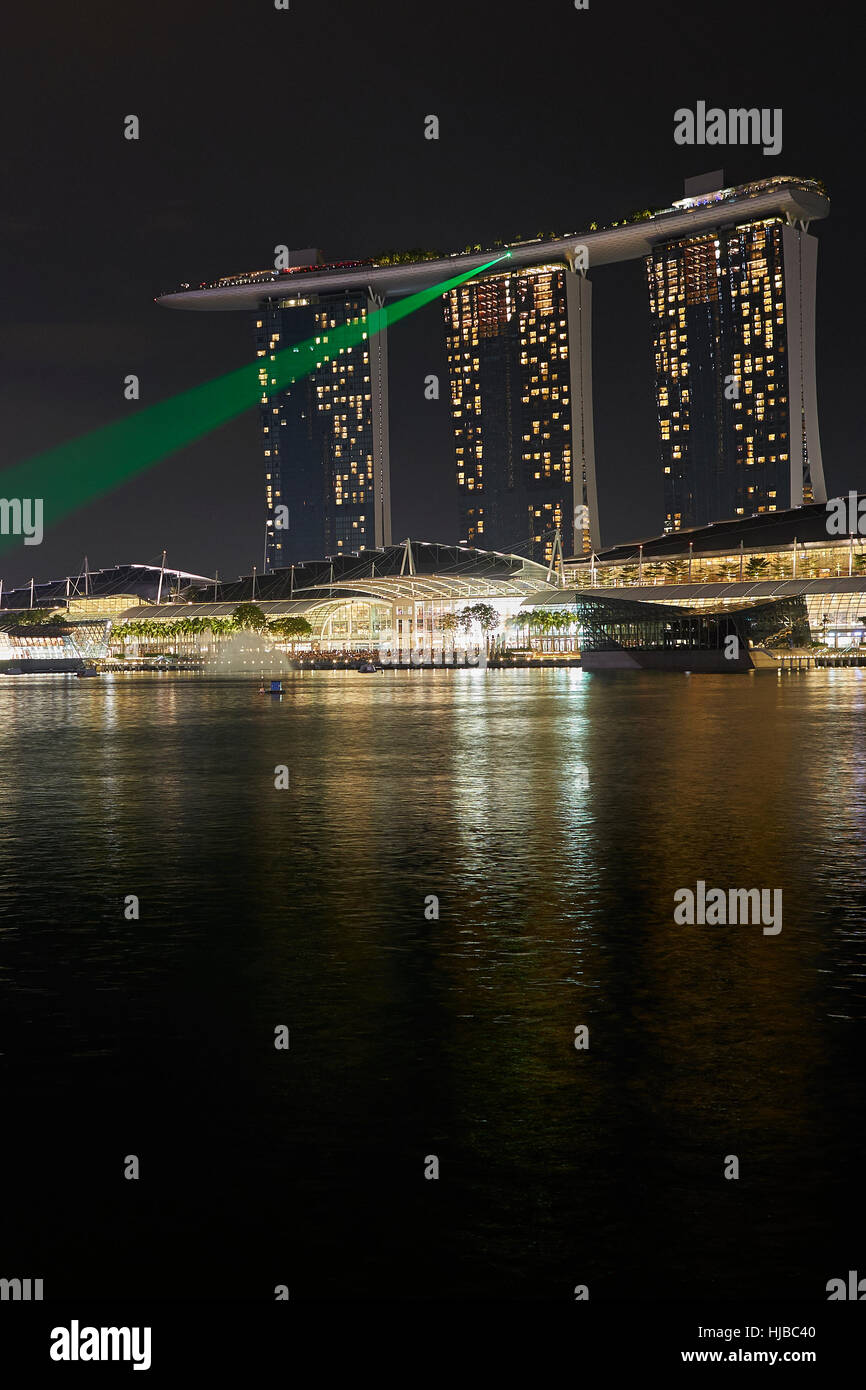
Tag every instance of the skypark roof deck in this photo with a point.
(796, 200)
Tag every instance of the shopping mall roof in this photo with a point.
(765, 531)
(422, 569)
(746, 593)
(139, 581)
(175, 612)
(414, 571)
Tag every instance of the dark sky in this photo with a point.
(305, 127)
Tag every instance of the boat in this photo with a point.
(366, 668)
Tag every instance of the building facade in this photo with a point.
(324, 436)
(733, 343)
(417, 601)
(732, 294)
(514, 379)
(767, 557)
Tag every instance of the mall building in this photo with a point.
(405, 599)
(777, 580)
(61, 625)
(748, 561)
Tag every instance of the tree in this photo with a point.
(756, 567)
(291, 629)
(780, 564)
(449, 623)
(555, 621)
(250, 618)
(540, 620)
(485, 616)
(140, 630)
(519, 623)
(465, 618)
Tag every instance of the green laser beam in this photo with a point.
(71, 475)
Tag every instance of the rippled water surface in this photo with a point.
(553, 815)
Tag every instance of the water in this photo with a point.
(554, 815)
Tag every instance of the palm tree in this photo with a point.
(518, 624)
(562, 620)
(541, 620)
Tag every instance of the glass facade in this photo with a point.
(811, 562)
(610, 624)
(317, 434)
(509, 371)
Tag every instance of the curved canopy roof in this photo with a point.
(412, 572)
(142, 581)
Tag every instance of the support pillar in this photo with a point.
(377, 345)
(800, 253)
(578, 291)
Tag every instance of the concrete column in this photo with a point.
(377, 344)
(800, 252)
(579, 300)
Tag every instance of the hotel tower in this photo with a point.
(734, 354)
(520, 378)
(732, 299)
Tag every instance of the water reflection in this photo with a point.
(553, 815)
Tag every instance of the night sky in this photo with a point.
(305, 127)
